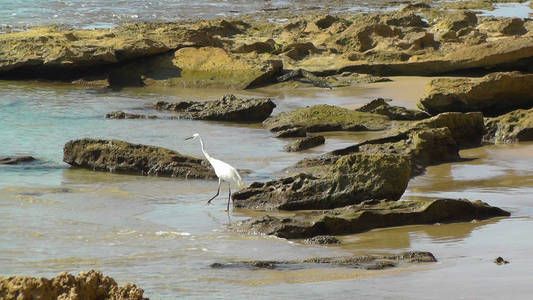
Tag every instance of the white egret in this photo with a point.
(224, 171)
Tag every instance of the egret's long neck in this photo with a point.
(203, 150)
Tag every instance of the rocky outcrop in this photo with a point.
(369, 215)
(228, 108)
(326, 118)
(493, 94)
(124, 115)
(86, 285)
(123, 157)
(351, 179)
(466, 128)
(305, 143)
(380, 106)
(366, 262)
(507, 26)
(516, 126)
(13, 160)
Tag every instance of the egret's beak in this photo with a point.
(189, 138)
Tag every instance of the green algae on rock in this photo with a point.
(13, 160)
(493, 94)
(318, 118)
(369, 215)
(86, 285)
(366, 262)
(352, 179)
(228, 108)
(516, 126)
(123, 157)
(380, 106)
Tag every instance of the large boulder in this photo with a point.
(86, 285)
(516, 126)
(352, 179)
(228, 108)
(369, 215)
(123, 157)
(493, 94)
(326, 118)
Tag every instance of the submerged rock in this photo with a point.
(123, 157)
(305, 143)
(351, 179)
(493, 94)
(500, 261)
(380, 106)
(366, 262)
(228, 108)
(516, 126)
(376, 214)
(322, 240)
(124, 115)
(326, 118)
(13, 160)
(86, 285)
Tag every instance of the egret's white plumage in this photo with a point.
(224, 171)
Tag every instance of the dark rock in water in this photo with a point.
(305, 143)
(123, 115)
(13, 160)
(367, 262)
(229, 108)
(292, 132)
(493, 94)
(380, 106)
(123, 157)
(363, 217)
(500, 261)
(322, 240)
(351, 179)
(516, 126)
(86, 285)
(326, 118)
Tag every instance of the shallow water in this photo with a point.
(158, 233)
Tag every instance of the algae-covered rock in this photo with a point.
(516, 126)
(123, 157)
(326, 118)
(380, 106)
(86, 285)
(228, 108)
(124, 115)
(352, 179)
(493, 94)
(305, 143)
(466, 128)
(366, 262)
(13, 160)
(363, 217)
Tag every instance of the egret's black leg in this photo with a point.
(229, 196)
(218, 191)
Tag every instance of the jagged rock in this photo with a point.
(363, 38)
(516, 126)
(367, 262)
(466, 128)
(87, 285)
(351, 179)
(268, 46)
(326, 118)
(456, 21)
(322, 240)
(493, 94)
(292, 132)
(363, 217)
(228, 108)
(300, 50)
(380, 106)
(13, 160)
(124, 115)
(419, 40)
(123, 157)
(507, 26)
(305, 143)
